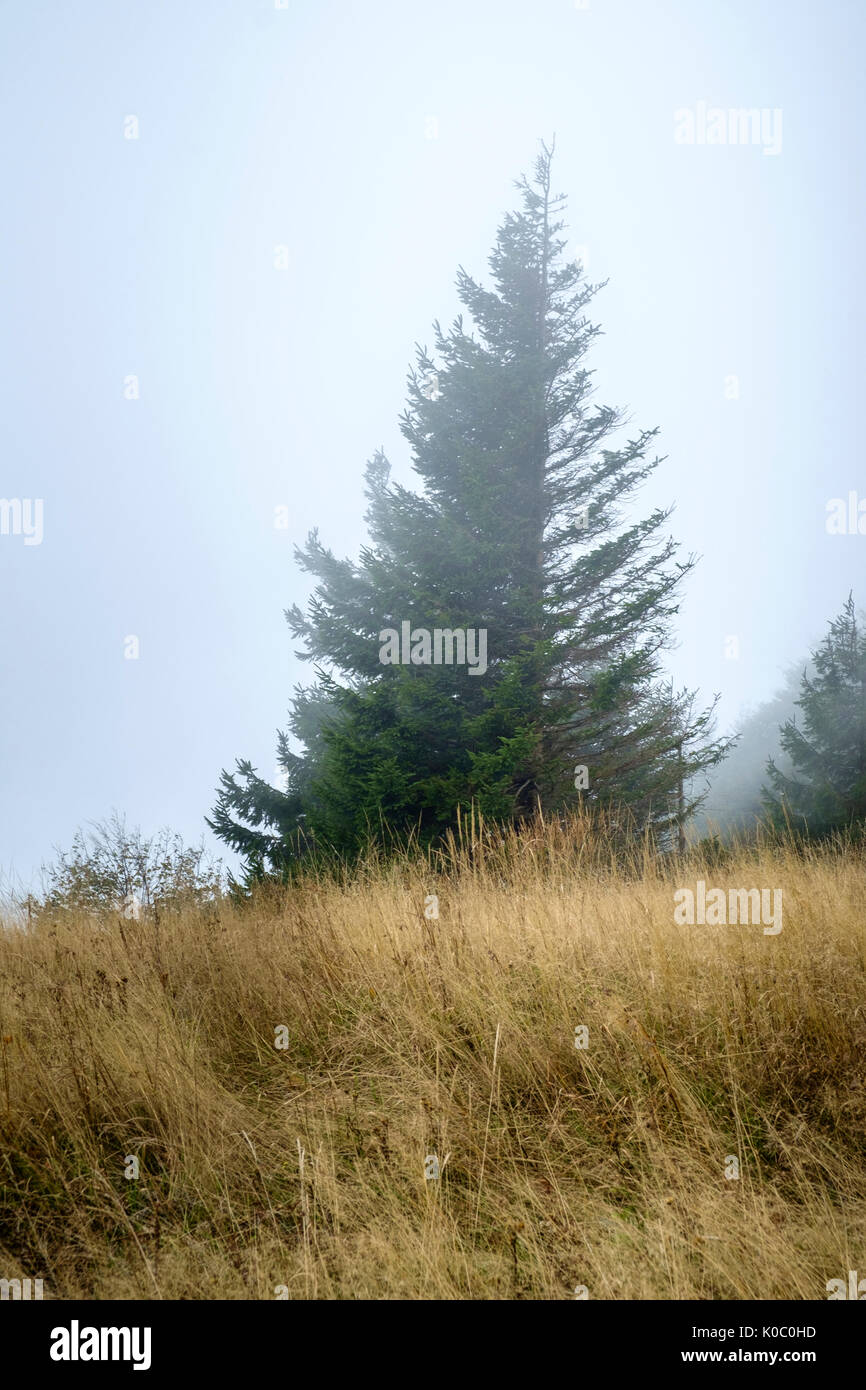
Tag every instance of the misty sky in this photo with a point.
(377, 145)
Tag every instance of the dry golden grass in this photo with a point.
(560, 1167)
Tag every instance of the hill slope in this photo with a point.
(300, 1171)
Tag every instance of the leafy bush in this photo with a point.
(112, 869)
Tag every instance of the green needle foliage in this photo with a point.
(518, 530)
(826, 791)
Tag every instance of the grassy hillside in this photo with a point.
(408, 1037)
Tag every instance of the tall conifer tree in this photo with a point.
(517, 531)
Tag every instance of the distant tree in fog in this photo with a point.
(826, 742)
(734, 801)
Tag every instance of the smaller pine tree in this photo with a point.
(826, 790)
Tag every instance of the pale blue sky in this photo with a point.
(307, 127)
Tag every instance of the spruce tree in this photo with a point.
(827, 789)
(517, 530)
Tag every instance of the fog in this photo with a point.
(226, 228)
